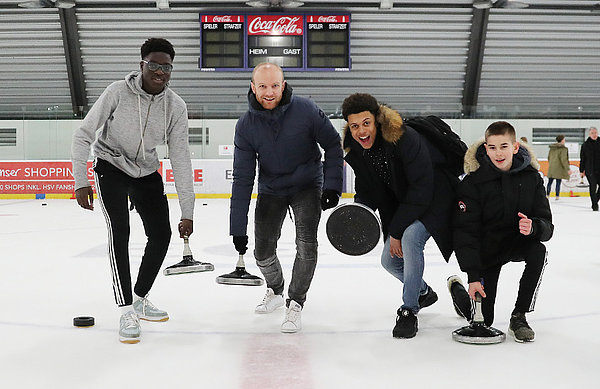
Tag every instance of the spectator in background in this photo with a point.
(524, 139)
(558, 164)
(589, 165)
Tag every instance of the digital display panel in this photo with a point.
(328, 41)
(222, 41)
(301, 42)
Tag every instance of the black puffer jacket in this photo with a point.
(489, 200)
(420, 188)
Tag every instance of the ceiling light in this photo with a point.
(162, 4)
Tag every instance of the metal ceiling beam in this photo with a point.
(70, 35)
(474, 61)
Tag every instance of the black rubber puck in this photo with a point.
(83, 321)
(44, 204)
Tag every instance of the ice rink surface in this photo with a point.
(54, 266)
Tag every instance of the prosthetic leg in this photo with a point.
(477, 332)
(240, 276)
(188, 264)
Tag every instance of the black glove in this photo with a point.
(329, 198)
(241, 244)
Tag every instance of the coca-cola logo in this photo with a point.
(284, 25)
(327, 19)
(222, 19)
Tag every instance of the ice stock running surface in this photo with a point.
(54, 267)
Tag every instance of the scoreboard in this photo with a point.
(296, 41)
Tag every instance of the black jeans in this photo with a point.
(594, 190)
(268, 219)
(147, 193)
(534, 256)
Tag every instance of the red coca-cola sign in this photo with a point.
(223, 19)
(328, 18)
(275, 25)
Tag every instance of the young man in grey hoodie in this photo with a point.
(134, 116)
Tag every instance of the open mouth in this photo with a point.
(364, 139)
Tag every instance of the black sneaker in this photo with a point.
(428, 298)
(519, 329)
(406, 324)
(460, 297)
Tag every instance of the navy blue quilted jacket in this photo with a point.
(285, 141)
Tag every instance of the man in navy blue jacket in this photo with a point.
(283, 132)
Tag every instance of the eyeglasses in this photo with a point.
(153, 66)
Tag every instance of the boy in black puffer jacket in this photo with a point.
(503, 215)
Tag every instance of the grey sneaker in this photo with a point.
(147, 311)
(129, 328)
(519, 329)
(293, 320)
(270, 302)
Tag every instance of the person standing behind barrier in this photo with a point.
(589, 165)
(283, 133)
(135, 115)
(558, 164)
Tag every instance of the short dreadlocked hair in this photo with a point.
(154, 45)
(359, 102)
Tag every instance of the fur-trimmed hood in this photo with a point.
(476, 152)
(389, 125)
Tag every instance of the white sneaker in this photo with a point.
(129, 328)
(147, 311)
(270, 302)
(292, 322)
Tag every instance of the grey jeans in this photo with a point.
(268, 219)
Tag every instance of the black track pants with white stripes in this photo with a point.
(147, 193)
(535, 257)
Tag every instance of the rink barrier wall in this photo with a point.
(212, 179)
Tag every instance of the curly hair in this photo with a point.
(359, 102)
(153, 45)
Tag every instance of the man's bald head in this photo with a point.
(267, 66)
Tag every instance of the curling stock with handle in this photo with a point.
(240, 276)
(188, 264)
(477, 332)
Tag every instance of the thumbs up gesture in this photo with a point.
(525, 224)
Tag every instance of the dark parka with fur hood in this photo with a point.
(489, 200)
(420, 189)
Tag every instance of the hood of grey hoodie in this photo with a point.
(132, 124)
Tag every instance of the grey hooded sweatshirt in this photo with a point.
(132, 123)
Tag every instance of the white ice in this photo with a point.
(54, 266)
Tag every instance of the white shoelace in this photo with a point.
(131, 320)
(147, 303)
(268, 296)
(292, 314)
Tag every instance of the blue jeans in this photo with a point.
(268, 219)
(409, 270)
(557, 191)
